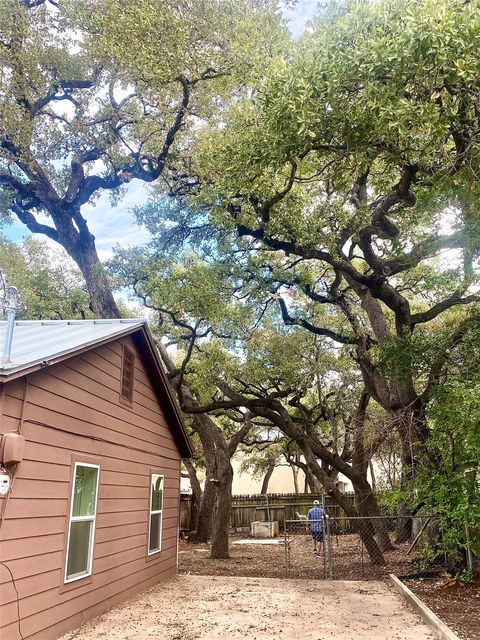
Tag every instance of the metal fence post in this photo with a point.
(325, 542)
(329, 556)
(468, 549)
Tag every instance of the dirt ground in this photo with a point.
(456, 603)
(214, 608)
(349, 561)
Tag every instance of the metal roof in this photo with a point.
(39, 342)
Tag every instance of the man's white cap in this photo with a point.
(316, 502)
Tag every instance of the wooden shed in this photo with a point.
(91, 443)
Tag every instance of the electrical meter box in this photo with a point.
(4, 484)
(13, 447)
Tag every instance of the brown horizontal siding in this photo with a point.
(49, 568)
(65, 379)
(87, 416)
(36, 565)
(78, 403)
(15, 546)
(38, 448)
(108, 526)
(109, 361)
(20, 508)
(12, 529)
(42, 469)
(90, 603)
(109, 384)
(106, 569)
(136, 451)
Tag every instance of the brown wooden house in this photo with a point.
(91, 443)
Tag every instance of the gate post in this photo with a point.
(329, 550)
(286, 544)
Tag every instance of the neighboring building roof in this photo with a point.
(42, 343)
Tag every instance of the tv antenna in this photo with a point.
(8, 305)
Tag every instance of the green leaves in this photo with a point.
(48, 289)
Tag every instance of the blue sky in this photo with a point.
(115, 225)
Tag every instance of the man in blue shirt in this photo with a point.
(315, 517)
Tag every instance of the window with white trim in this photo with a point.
(81, 529)
(156, 511)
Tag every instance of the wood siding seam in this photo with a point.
(104, 455)
(93, 438)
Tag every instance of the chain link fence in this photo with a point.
(355, 548)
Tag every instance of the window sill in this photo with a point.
(153, 555)
(75, 584)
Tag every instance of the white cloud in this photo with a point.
(300, 14)
(113, 225)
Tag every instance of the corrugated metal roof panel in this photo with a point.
(40, 341)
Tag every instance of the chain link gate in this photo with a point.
(299, 555)
(360, 548)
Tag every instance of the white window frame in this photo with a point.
(92, 519)
(155, 512)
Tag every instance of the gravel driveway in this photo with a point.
(215, 608)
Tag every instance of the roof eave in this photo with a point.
(175, 413)
(6, 375)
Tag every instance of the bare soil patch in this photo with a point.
(456, 603)
(219, 607)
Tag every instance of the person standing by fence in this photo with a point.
(315, 517)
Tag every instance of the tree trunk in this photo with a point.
(266, 479)
(85, 255)
(196, 495)
(413, 434)
(205, 516)
(310, 480)
(368, 508)
(372, 475)
(223, 506)
(364, 496)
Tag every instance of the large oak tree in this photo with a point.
(356, 165)
(95, 95)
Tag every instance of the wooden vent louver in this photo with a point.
(128, 369)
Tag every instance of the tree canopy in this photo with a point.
(93, 96)
(315, 263)
(49, 287)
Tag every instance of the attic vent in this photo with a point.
(128, 369)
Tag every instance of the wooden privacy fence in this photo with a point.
(274, 506)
